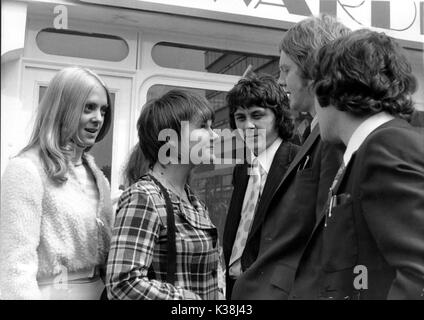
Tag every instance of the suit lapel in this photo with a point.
(299, 156)
(340, 180)
(278, 168)
(304, 150)
(234, 212)
(322, 214)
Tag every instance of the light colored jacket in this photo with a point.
(46, 227)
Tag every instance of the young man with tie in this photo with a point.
(259, 109)
(371, 234)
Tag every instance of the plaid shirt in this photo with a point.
(140, 240)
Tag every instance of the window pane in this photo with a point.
(82, 45)
(41, 91)
(172, 55)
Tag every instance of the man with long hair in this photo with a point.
(371, 231)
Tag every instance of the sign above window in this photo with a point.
(401, 19)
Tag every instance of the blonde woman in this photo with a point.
(56, 213)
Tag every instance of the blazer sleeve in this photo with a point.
(392, 201)
(20, 220)
(235, 175)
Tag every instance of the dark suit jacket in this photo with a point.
(282, 159)
(282, 227)
(377, 223)
(417, 118)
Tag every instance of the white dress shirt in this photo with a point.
(363, 131)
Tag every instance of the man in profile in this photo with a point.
(371, 234)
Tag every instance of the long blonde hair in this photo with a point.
(58, 116)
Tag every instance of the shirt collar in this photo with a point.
(314, 122)
(265, 158)
(363, 131)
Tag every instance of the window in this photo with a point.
(172, 55)
(82, 45)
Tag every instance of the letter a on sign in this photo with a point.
(61, 20)
(361, 280)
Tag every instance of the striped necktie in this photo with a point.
(331, 195)
(251, 199)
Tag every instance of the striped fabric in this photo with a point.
(140, 240)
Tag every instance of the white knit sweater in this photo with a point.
(46, 227)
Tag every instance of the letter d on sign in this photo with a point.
(61, 20)
(361, 280)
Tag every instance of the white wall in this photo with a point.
(13, 24)
(12, 135)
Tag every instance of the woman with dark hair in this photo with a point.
(164, 245)
(135, 167)
(56, 213)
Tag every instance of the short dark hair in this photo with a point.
(364, 73)
(167, 112)
(135, 167)
(263, 91)
(304, 38)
